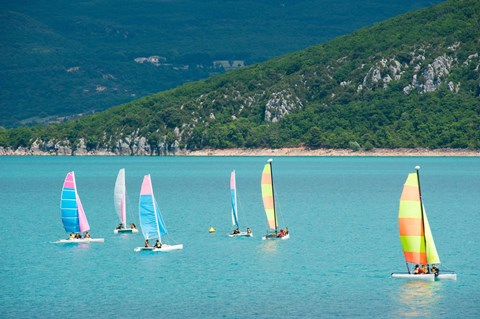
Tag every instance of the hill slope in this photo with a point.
(65, 58)
(412, 81)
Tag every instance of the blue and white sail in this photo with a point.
(233, 193)
(151, 221)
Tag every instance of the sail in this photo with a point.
(415, 235)
(233, 191)
(432, 255)
(73, 215)
(119, 197)
(151, 220)
(267, 195)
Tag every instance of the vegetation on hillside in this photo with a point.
(64, 59)
(413, 81)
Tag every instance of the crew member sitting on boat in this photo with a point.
(435, 270)
(249, 231)
(158, 244)
(132, 226)
(78, 236)
(120, 226)
(72, 236)
(281, 233)
(286, 230)
(87, 235)
(417, 270)
(146, 243)
(236, 231)
(424, 269)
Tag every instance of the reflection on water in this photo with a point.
(418, 298)
(269, 246)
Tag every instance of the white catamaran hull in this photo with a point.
(80, 241)
(427, 277)
(125, 231)
(447, 276)
(165, 248)
(242, 234)
(287, 236)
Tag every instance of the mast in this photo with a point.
(417, 168)
(273, 197)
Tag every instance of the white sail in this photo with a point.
(119, 197)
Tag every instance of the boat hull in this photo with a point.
(242, 234)
(80, 241)
(125, 231)
(267, 237)
(427, 277)
(165, 248)
(447, 276)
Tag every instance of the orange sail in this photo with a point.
(268, 196)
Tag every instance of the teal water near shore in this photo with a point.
(341, 213)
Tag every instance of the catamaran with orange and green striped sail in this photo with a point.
(268, 195)
(415, 234)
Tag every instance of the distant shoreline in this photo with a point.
(301, 151)
(289, 151)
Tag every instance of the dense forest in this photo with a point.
(412, 81)
(64, 59)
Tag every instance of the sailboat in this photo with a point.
(233, 192)
(268, 196)
(73, 216)
(120, 202)
(415, 234)
(151, 221)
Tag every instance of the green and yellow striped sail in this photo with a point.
(415, 235)
(267, 195)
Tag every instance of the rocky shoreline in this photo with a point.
(294, 151)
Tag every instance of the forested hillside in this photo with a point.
(412, 81)
(64, 59)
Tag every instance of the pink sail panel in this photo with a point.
(82, 218)
(232, 180)
(146, 186)
(69, 181)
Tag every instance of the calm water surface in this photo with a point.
(341, 212)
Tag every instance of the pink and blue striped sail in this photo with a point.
(151, 220)
(73, 215)
(233, 192)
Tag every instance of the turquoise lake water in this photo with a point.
(341, 213)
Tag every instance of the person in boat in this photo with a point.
(424, 269)
(132, 226)
(78, 236)
(120, 226)
(249, 231)
(281, 233)
(417, 270)
(236, 231)
(158, 244)
(146, 243)
(87, 235)
(286, 230)
(435, 270)
(72, 236)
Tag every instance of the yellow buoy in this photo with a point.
(211, 230)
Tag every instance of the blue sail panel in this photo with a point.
(147, 217)
(69, 210)
(234, 208)
(161, 223)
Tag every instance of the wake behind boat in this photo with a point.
(233, 193)
(73, 216)
(415, 235)
(120, 202)
(268, 195)
(151, 221)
